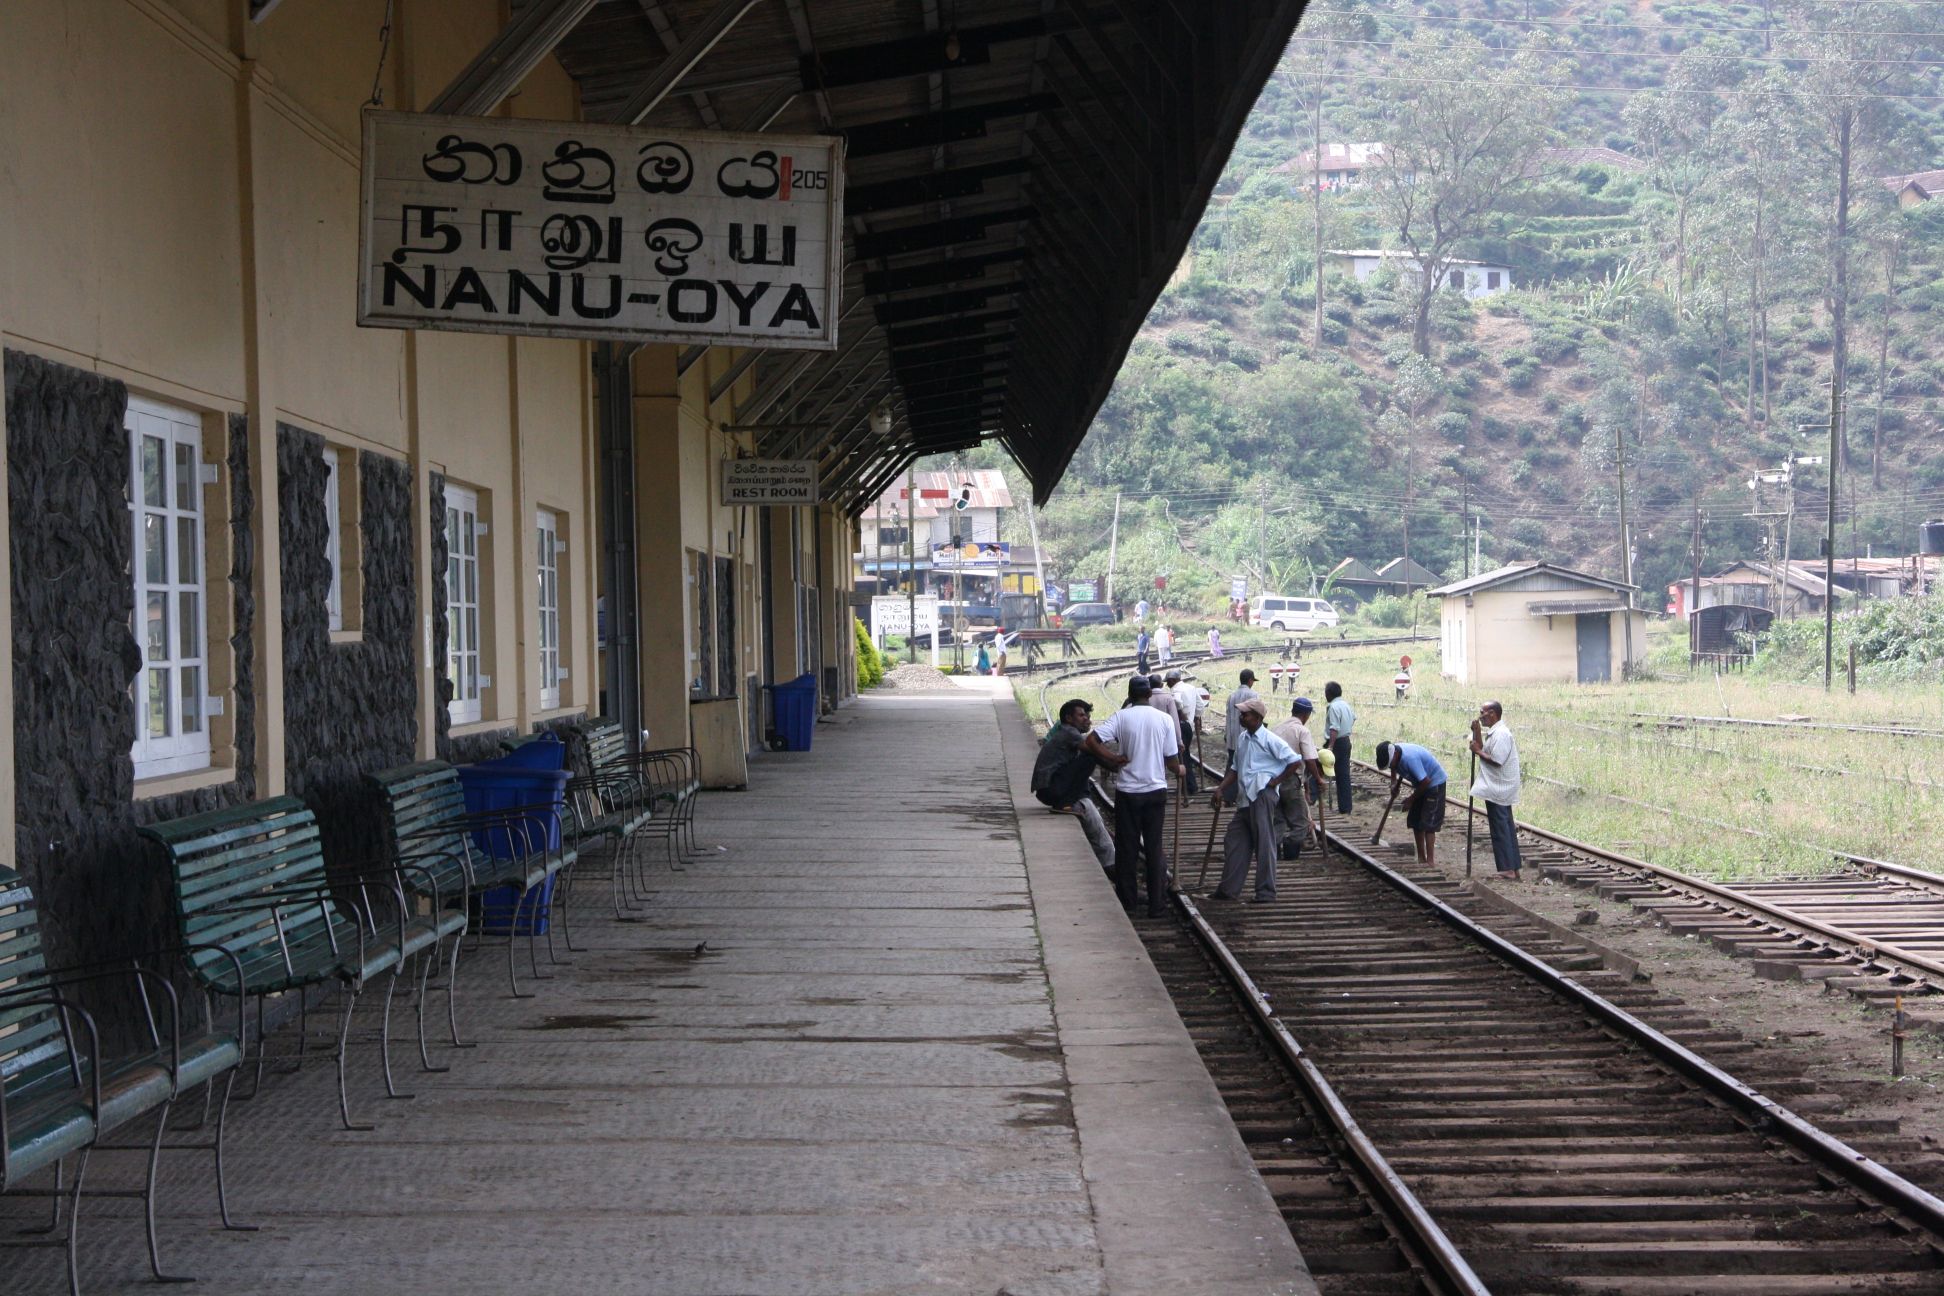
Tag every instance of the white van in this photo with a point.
(1296, 615)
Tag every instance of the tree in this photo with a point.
(1457, 146)
(1417, 388)
(1675, 125)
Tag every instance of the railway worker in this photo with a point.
(1142, 643)
(1187, 699)
(1063, 774)
(1163, 700)
(1164, 643)
(1497, 785)
(1424, 811)
(1149, 748)
(1293, 805)
(1254, 779)
(1339, 722)
(1232, 724)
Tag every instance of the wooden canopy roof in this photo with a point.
(1022, 176)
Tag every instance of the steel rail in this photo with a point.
(1675, 721)
(1766, 1115)
(1422, 1229)
(1870, 947)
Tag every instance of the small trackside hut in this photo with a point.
(1536, 622)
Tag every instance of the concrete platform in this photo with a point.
(890, 1036)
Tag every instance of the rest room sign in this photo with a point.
(575, 229)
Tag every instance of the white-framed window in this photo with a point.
(546, 536)
(334, 542)
(462, 603)
(170, 621)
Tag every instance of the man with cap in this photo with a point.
(1256, 773)
(1187, 699)
(1424, 812)
(1497, 785)
(1292, 805)
(1150, 744)
(1232, 730)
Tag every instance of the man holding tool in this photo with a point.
(1296, 794)
(1496, 783)
(1262, 761)
(1424, 811)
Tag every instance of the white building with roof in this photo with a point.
(1539, 623)
(1475, 279)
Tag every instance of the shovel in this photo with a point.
(1377, 838)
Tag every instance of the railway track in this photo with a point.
(1502, 1114)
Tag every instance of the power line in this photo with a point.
(1658, 29)
(1764, 91)
(1668, 56)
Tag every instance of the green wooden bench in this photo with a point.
(425, 811)
(260, 916)
(60, 1097)
(670, 776)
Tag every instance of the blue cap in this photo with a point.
(1304, 704)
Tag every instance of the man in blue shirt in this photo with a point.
(1262, 760)
(1424, 812)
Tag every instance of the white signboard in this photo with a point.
(769, 481)
(982, 555)
(891, 615)
(572, 229)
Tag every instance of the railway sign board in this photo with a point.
(769, 481)
(575, 229)
(891, 615)
(979, 555)
(1082, 591)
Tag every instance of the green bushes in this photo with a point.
(870, 665)
(1452, 426)
(1393, 611)
(1896, 640)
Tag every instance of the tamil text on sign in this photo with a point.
(570, 229)
(891, 614)
(769, 481)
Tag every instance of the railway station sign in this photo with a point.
(769, 481)
(1083, 591)
(575, 229)
(891, 615)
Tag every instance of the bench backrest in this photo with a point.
(31, 1040)
(224, 860)
(421, 800)
(605, 743)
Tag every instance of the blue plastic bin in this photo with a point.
(796, 711)
(543, 751)
(508, 783)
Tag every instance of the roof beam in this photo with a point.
(894, 60)
(928, 130)
(967, 327)
(933, 235)
(497, 70)
(942, 305)
(939, 273)
(682, 58)
(934, 186)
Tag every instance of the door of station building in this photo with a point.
(1595, 635)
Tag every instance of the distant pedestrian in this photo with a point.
(1002, 646)
(983, 665)
(1143, 642)
(1164, 643)
(1497, 785)
(1063, 777)
(1424, 811)
(1215, 642)
(1339, 721)
(1149, 748)
(1262, 761)
(1187, 697)
(1141, 610)
(1293, 805)
(1232, 716)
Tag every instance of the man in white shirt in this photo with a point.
(1497, 785)
(1232, 727)
(1262, 761)
(1150, 744)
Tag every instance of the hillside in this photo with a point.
(1668, 234)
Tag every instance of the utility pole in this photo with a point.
(1694, 595)
(1465, 547)
(1829, 534)
(1316, 202)
(911, 583)
(1626, 547)
(1262, 536)
(1113, 548)
(1039, 563)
